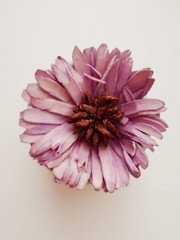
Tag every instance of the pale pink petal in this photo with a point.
(154, 122)
(108, 168)
(128, 95)
(148, 129)
(25, 95)
(58, 160)
(139, 79)
(90, 54)
(131, 165)
(122, 172)
(141, 106)
(138, 136)
(26, 138)
(101, 58)
(35, 91)
(84, 176)
(140, 157)
(53, 106)
(129, 145)
(80, 61)
(58, 171)
(124, 71)
(147, 87)
(39, 116)
(53, 138)
(46, 157)
(83, 155)
(71, 86)
(51, 87)
(40, 129)
(97, 177)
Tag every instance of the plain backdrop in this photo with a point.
(32, 34)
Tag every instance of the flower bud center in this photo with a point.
(95, 119)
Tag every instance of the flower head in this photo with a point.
(89, 121)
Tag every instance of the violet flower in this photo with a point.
(88, 122)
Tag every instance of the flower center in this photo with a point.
(95, 119)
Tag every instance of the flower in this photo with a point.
(88, 122)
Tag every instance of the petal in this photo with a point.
(148, 129)
(138, 136)
(140, 157)
(39, 116)
(139, 79)
(128, 95)
(142, 105)
(69, 78)
(35, 91)
(57, 161)
(108, 169)
(101, 58)
(156, 123)
(147, 87)
(120, 72)
(53, 106)
(26, 138)
(90, 54)
(84, 176)
(97, 178)
(40, 129)
(58, 171)
(124, 71)
(53, 139)
(131, 165)
(129, 145)
(25, 95)
(121, 169)
(51, 87)
(80, 61)
(83, 155)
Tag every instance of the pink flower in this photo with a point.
(88, 122)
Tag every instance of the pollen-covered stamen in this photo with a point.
(95, 119)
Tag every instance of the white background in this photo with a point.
(32, 206)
